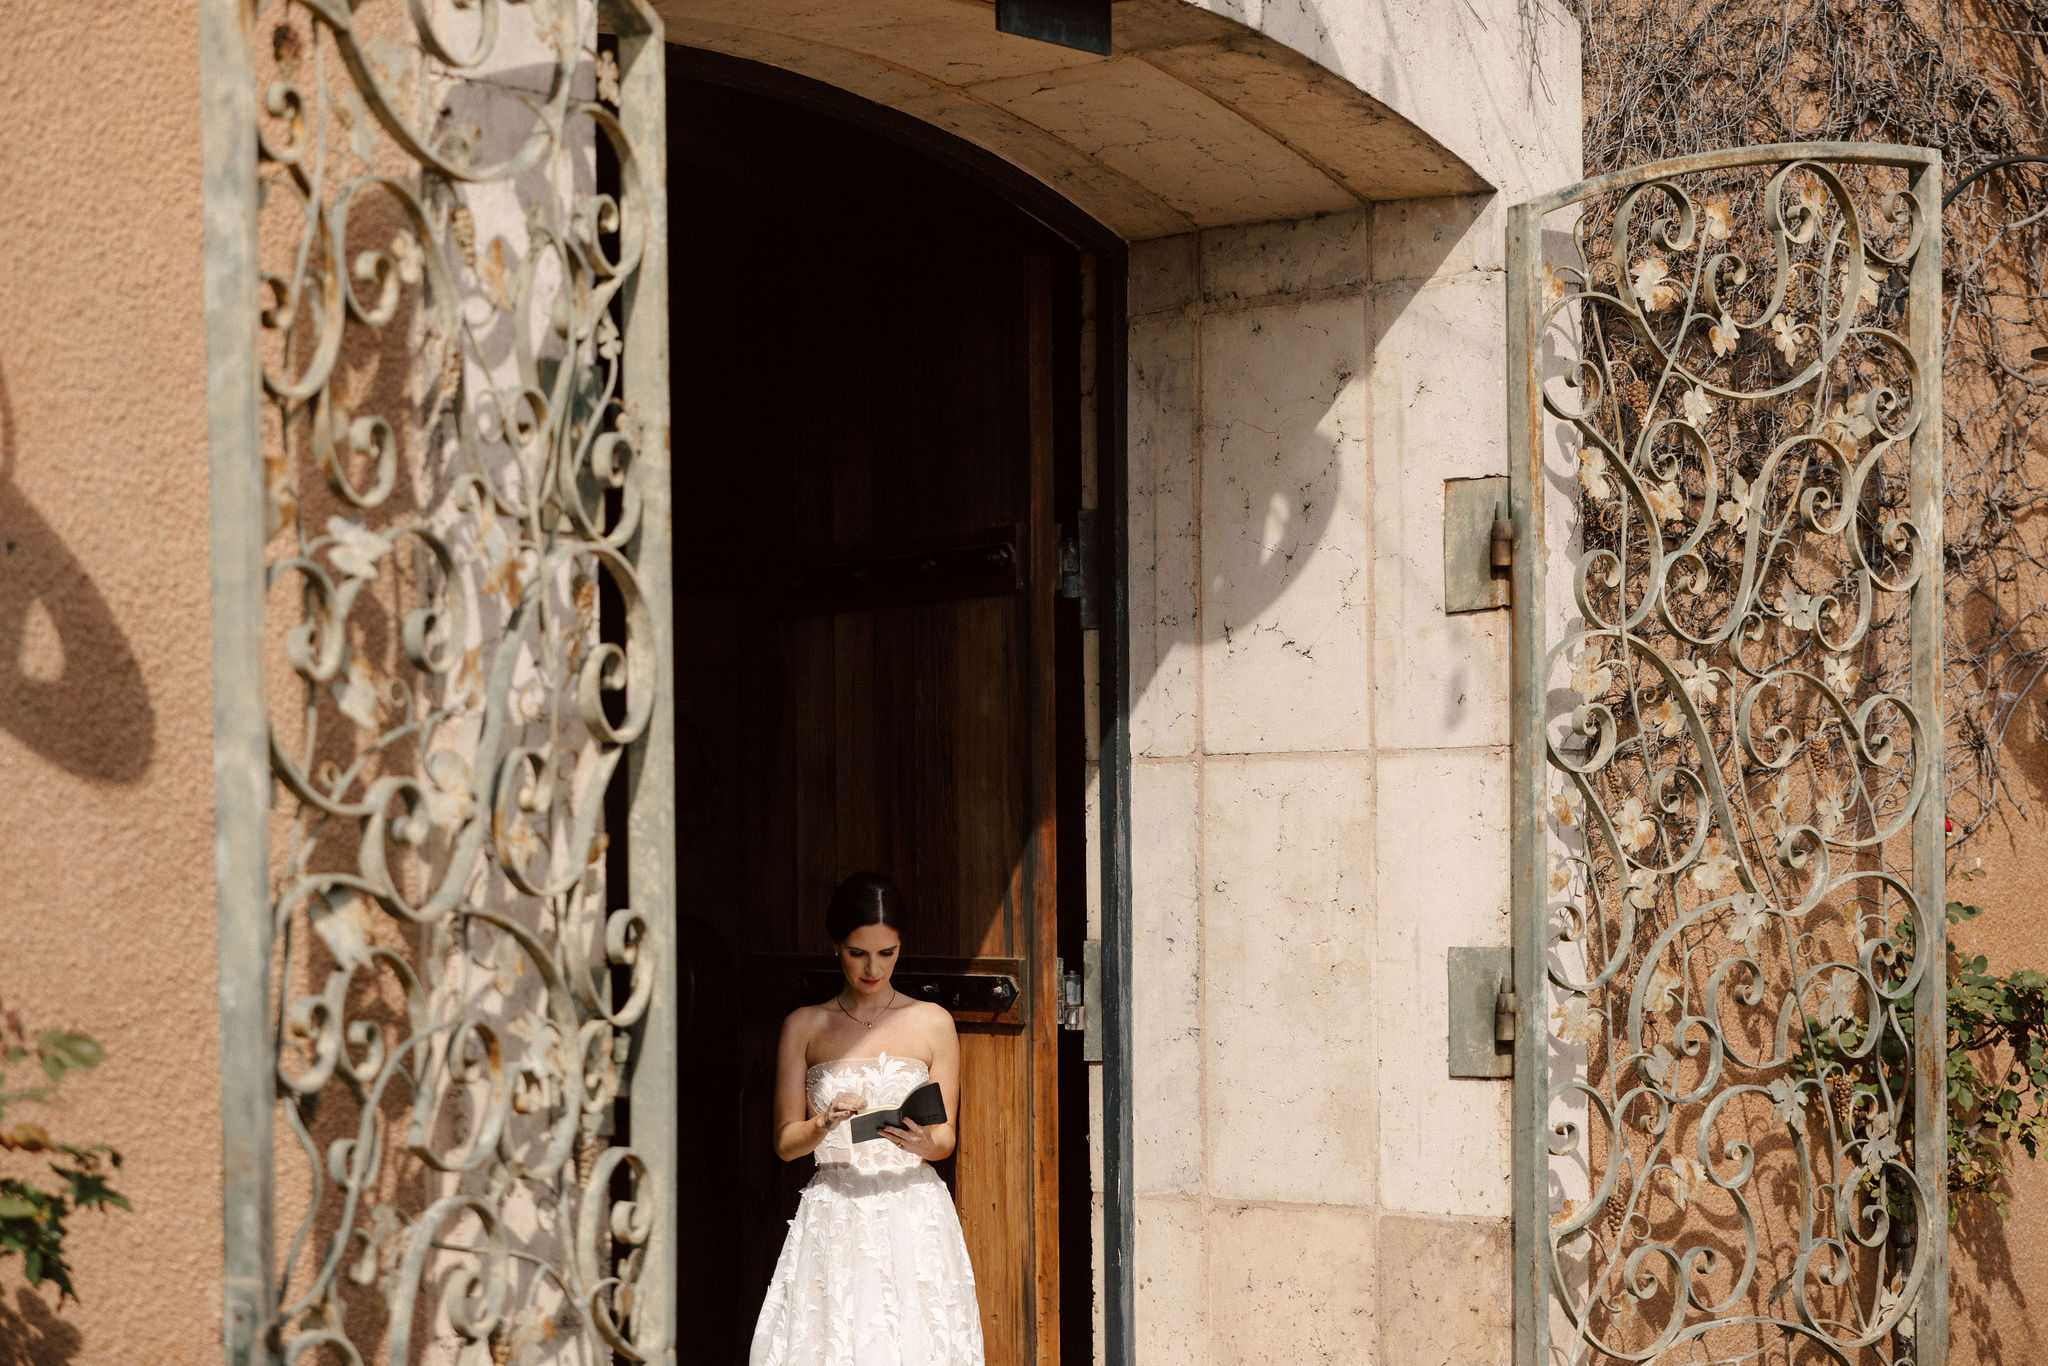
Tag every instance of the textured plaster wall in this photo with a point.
(107, 918)
(1319, 791)
(1998, 1268)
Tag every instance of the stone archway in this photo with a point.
(1311, 324)
(1196, 122)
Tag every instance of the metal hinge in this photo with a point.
(1484, 1011)
(1077, 568)
(1073, 999)
(1479, 544)
(1502, 541)
(1081, 1000)
(1507, 1007)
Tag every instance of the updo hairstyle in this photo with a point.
(864, 899)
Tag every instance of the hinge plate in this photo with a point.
(1482, 986)
(1078, 577)
(1472, 582)
(1091, 1001)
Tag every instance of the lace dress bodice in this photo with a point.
(880, 1080)
(875, 1271)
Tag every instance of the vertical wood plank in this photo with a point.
(1041, 925)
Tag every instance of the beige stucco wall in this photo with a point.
(1485, 78)
(107, 919)
(1998, 1271)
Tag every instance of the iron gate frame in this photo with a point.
(1532, 1288)
(241, 652)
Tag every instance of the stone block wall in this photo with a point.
(1319, 789)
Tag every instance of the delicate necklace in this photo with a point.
(866, 1024)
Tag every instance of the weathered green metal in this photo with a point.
(462, 342)
(1480, 1006)
(1930, 1008)
(651, 822)
(1525, 789)
(1724, 389)
(241, 737)
(1119, 1196)
(1473, 510)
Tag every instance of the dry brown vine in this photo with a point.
(1667, 79)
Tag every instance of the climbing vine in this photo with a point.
(1967, 77)
(1997, 1073)
(1671, 79)
(1997, 1070)
(33, 1210)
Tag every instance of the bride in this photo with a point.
(874, 1271)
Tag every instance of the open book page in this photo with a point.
(926, 1105)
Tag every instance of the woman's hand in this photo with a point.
(915, 1139)
(844, 1106)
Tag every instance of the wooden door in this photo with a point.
(866, 677)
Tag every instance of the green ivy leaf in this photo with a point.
(61, 1050)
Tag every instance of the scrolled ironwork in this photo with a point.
(1730, 761)
(456, 593)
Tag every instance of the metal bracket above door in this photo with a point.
(1082, 24)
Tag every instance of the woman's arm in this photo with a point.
(797, 1131)
(935, 1144)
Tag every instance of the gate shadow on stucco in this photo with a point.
(32, 1333)
(70, 688)
(1985, 1296)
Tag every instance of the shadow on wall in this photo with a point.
(70, 688)
(31, 1333)
(1983, 1267)
(1288, 447)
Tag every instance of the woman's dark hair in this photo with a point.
(864, 899)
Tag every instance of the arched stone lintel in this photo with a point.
(1195, 121)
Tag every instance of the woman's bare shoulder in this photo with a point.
(930, 1017)
(803, 1022)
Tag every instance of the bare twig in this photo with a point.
(1668, 79)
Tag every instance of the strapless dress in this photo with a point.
(874, 1271)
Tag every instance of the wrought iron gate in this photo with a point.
(1726, 395)
(437, 329)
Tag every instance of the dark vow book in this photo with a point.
(926, 1105)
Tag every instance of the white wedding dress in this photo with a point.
(874, 1271)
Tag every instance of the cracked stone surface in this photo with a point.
(1292, 1285)
(1443, 1293)
(1287, 944)
(1285, 547)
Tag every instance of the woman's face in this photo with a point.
(868, 957)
